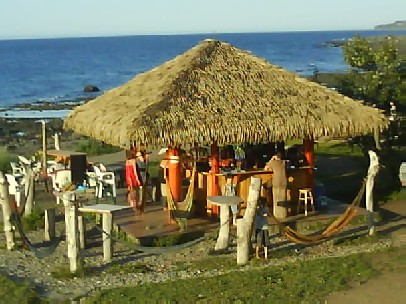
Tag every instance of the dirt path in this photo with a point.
(389, 286)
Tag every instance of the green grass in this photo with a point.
(64, 273)
(397, 195)
(306, 281)
(128, 268)
(357, 240)
(11, 292)
(153, 168)
(338, 147)
(94, 147)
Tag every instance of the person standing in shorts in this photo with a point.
(261, 228)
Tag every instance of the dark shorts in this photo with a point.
(262, 237)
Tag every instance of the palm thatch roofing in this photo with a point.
(217, 92)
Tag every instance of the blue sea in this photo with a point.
(57, 70)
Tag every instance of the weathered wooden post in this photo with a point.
(72, 235)
(107, 231)
(369, 201)
(29, 203)
(49, 224)
(244, 225)
(44, 149)
(82, 231)
(5, 204)
(56, 141)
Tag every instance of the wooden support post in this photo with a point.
(107, 242)
(174, 173)
(49, 224)
(222, 240)
(82, 231)
(308, 147)
(5, 204)
(369, 201)
(244, 225)
(72, 235)
(215, 169)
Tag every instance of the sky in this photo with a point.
(86, 18)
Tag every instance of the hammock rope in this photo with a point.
(187, 203)
(334, 228)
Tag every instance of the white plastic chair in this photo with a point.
(106, 184)
(54, 166)
(16, 168)
(59, 179)
(91, 179)
(14, 188)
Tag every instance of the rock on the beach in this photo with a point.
(91, 88)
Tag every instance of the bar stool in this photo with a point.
(305, 195)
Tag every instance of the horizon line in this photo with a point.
(186, 34)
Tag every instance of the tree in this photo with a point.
(375, 71)
(375, 76)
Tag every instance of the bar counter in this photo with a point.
(297, 178)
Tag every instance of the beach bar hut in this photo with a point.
(217, 94)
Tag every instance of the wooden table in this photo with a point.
(107, 211)
(225, 202)
(63, 156)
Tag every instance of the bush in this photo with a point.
(94, 147)
(5, 159)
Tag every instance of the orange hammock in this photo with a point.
(335, 227)
(181, 209)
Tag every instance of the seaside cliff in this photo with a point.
(397, 25)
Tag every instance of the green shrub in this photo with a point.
(5, 159)
(94, 147)
(34, 221)
(63, 273)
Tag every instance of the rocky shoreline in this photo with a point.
(23, 135)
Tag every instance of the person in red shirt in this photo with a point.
(134, 181)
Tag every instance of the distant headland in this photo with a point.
(397, 25)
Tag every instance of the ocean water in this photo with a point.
(57, 70)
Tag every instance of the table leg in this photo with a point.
(107, 242)
(222, 240)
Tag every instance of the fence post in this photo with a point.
(29, 204)
(5, 204)
(72, 234)
(49, 224)
(369, 201)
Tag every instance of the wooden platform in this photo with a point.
(155, 222)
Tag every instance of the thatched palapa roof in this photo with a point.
(215, 91)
